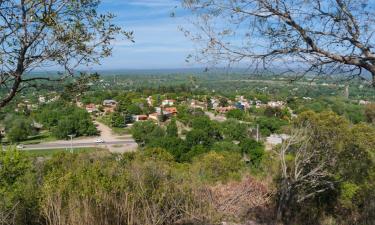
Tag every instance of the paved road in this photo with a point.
(112, 142)
(83, 144)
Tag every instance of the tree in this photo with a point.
(60, 33)
(18, 194)
(370, 113)
(145, 132)
(254, 150)
(19, 130)
(310, 162)
(172, 130)
(322, 36)
(117, 120)
(234, 130)
(236, 114)
(223, 102)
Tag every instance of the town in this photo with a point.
(187, 112)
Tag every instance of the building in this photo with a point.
(197, 105)
(42, 99)
(140, 118)
(110, 103)
(168, 102)
(90, 108)
(276, 104)
(276, 139)
(171, 110)
(224, 109)
(363, 102)
(150, 101)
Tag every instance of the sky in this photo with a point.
(159, 44)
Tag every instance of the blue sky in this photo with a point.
(158, 42)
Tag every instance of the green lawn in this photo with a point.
(44, 136)
(51, 152)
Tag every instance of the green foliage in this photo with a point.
(175, 146)
(198, 137)
(370, 113)
(19, 130)
(223, 102)
(18, 193)
(172, 130)
(194, 151)
(118, 120)
(271, 125)
(225, 146)
(145, 132)
(236, 114)
(355, 113)
(217, 166)
(64, 119)
(254, 150)
(79, 124)
(234, 130)
(277, 112)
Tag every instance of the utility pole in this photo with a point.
(71, 142)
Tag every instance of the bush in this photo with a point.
(146, 131)
(215, 166)
(236, 114)
(254, 150)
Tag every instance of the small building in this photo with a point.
(363, 102)
(198, 105)
(108, 110)
(275, 139)
(224, 109)
(137, 118)
(91, 108)
(171, 110)
(110, 103)
(150, 101)
(276, 104)
(42, 99)
(168, 102)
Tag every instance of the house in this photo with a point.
(42, 99)
(363, 102)
(215, 103)
(137, 118)
(276, 104)
(242, 105)
(90, 108)
(171, 110)
(110, 103)
(197, 105)
(108, 110)
(37, 126)
(224, 109)
(276, 139)
(150, 101)
(168, 102)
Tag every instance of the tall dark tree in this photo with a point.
(320, 36)
(61, 33)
